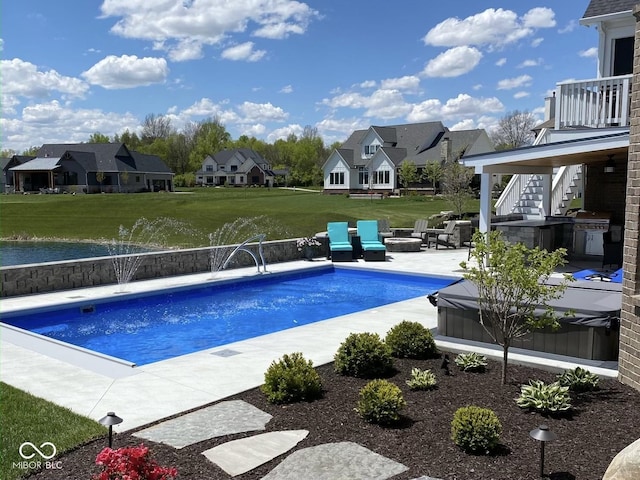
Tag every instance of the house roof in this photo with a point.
(38, 164)
(417, 142)
(224, 156)
(544, 157)
(598, 8)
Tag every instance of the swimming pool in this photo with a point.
(157, 327)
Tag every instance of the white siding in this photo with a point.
(335, 164)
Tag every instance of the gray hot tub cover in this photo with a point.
(594, 304)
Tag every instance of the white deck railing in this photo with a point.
(564, 189)
(511, 194)
(601, 102)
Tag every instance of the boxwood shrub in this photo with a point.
(363, 355)
(292, 379)
(411, 340)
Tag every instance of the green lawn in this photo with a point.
(285, 213)
(25, 418)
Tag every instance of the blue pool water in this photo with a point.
(158, 327)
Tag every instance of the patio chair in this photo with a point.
(444, 238)
(340, 247)
(420, 229)
(373, 250)
(384, 231)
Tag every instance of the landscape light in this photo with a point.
(110, 420)
(543, 435)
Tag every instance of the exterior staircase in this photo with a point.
(523, 194)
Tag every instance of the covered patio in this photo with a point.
(601, 156)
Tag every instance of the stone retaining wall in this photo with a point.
(48, 277)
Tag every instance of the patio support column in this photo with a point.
(546, 195)
(484, 224)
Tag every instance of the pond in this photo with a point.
(20, 253)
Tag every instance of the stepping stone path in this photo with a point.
(335, 460)
(240, 456)
(224, 418)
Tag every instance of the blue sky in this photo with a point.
(268, 68)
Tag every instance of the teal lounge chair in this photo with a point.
(340, 247)
(373, 249)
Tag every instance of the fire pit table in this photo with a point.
(398, 244)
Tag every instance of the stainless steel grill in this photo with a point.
(588, 228)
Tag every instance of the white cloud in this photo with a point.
(539, 17)
(386, 104)
(368, 84)
(492, 27)
(530, 63)
(127, 71)
(457, 108)
(569, 27)
(24, 79)
(453, 62)
(589, 52)
(408, 83)
(286, 89)
(182, 28)
(510, 83)
(262, 112)
(477, 86)
(1, 44)
(283, 132)
(243, 51)
(536, 42)
(501, 62)
(254, 130)
(521, 94)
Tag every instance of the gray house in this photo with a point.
(89, 168)
(369, 159)
(237, 167)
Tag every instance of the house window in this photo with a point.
(363, 176)
(241, 179)
(234, 168)
(137, 179)
(209, 168)
(336, 178)
(255, 179)
(209, 180)
(381, 177)
(370, 149)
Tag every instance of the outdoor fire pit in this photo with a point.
(403, 244)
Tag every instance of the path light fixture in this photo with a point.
(543, 435)
(110, 420)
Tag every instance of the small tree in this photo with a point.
(512, 292)
(408, 174)
(433, 173)
(100, 176)
(514, 130)
(456, 186)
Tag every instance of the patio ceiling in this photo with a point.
(543, 158)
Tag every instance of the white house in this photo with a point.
(237, 167)
(369, 159)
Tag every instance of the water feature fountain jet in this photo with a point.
(227, 240)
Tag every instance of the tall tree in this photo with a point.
(210, 137)
(513, 295)
(514, 130)
(156, 126)
(433, 173)
(131, 140)
(98, 137)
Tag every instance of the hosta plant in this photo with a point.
(380, 402)
(579, 380)
(545, 398)
(471, 362)
(421, 379)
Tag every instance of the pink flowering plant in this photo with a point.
(131, 463)
(304, 242)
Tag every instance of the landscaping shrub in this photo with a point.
(363, 355)
(421, 379)
(545, 398)
(579, 380)
(476, 429)
(411, 340)
(291, 379)
(131, 463)
(471, 362)
(380, 402)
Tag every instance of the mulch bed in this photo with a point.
(601, 424)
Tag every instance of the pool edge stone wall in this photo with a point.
(50, 277)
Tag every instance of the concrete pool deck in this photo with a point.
(91, 385)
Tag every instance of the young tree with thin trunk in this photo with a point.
(514, 130)
(408, 174)
(513, 293)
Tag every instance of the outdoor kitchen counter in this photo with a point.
(548, 234)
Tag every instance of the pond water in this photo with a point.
(20, 253)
